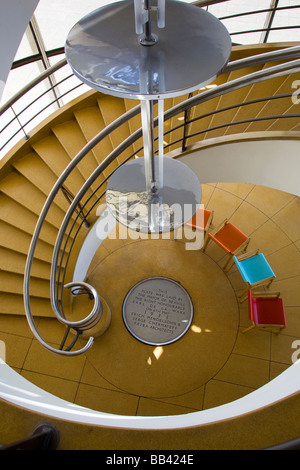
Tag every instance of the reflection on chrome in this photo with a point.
(141, 211)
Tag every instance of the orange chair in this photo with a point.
(230, 239)
(201, 220)
(266, 310)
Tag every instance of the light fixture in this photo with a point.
(120, 50)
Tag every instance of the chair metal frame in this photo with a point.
(240, 249)
(207, 226)
(262, 282)
(266, 326)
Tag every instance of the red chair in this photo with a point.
(266, 310)
(230, 239)
(201, 220)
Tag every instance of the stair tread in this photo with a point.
(20, 217)
(13, 283)
(91, 123)
(12, 261)
(257, 91)
(54, 155)
(33, 168)
(25, 193)
(227, 99)
(204, 108)
(112, 108)
(17, 240)
(135, 123)
(13, 304)
(72, 139)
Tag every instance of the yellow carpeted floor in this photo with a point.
(213, 363)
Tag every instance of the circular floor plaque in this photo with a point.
(157, 311)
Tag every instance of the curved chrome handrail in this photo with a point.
(26, 286)
(287, 53)
(282, 54)
(271, 56)
(235, 84)
(32, 84)
(255, 77)
(94, 315)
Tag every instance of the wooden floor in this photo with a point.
(213, 363)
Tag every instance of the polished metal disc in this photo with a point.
(157, 311)
(162, 211)
(104, 51)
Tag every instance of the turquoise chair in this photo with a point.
(255, 271)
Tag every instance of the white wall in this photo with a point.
(258, 162)
(17, 390)
(273, 163)
(14, 18)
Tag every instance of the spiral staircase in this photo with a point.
(228, 111)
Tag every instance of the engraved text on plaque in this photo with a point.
(158, 311)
